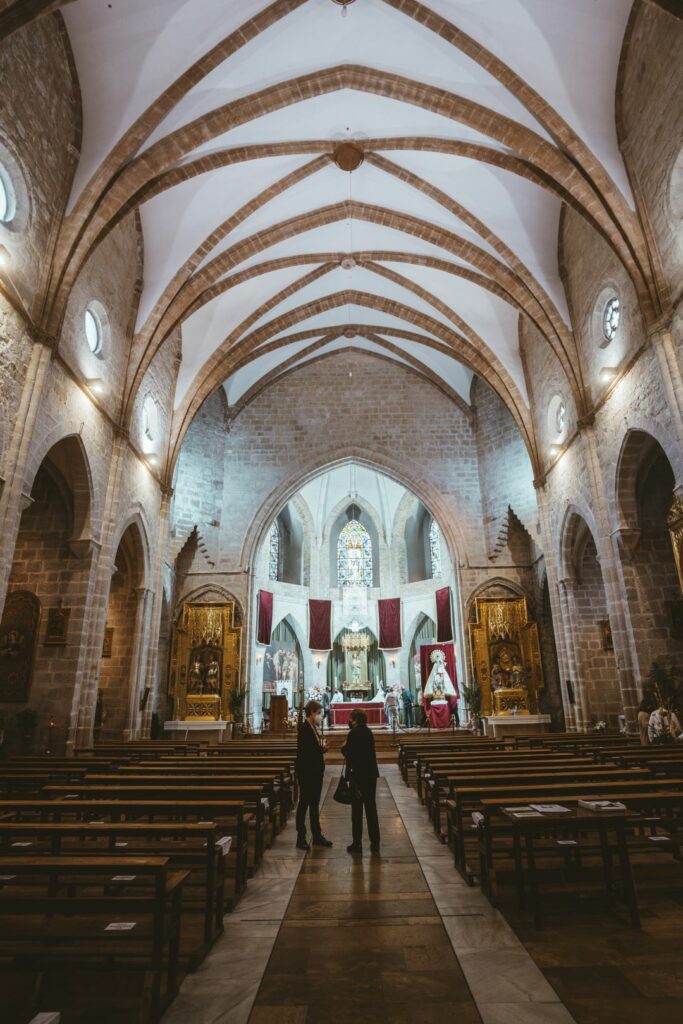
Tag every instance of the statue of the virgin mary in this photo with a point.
(439, 685)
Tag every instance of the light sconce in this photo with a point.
(555, 450)
(95, 385)
(393, 662)
(607, 374)
(318, 663)
(152, 460)
(5, 258)
(259, 659)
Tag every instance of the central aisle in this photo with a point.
(362, 939)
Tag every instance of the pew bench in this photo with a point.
(93, 943)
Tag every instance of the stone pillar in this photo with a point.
(613, 582)
(136, 680)
(561, 618)
(579, 712)
(85, 694)
(13, 500)
(670, 371)
(153, 671)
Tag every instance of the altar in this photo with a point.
(339, 712)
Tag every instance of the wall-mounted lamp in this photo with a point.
(555, 450)
(152, 460)
(95, 385)
(259, 659)
(5, 258)
(393, 662)
(318, 662)
(607, 374)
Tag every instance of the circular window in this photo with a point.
(150, 419)
(7, 196)
(557, 418)
(93, 330)
(610, 318)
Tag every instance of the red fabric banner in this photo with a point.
(426, 665)
(390, 623)
(444, 624)
(265, 617)
(320, 625)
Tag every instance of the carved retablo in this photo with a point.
(205, 661)
(507, 656)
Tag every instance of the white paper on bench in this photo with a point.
(7, 878)
(567, 842)
(123, 878)
(22, 844)
(46, 1018)
(120, 844)
(549, 808)
(659, 839)
(120, 926)
(225, 842)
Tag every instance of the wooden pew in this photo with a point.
(230, 817)
(254, 798)
(57, 914)
(198, 849)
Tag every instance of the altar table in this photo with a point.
(339, 712)
(439, 712)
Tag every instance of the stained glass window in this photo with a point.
(354, 556)
(274, 552)
(435, 548)
(610, 318)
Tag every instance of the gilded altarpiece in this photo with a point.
(507, 656)
(205, 662)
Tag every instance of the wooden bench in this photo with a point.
(114, 921)
(198, 849)
(230, 817)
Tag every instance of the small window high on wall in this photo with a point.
(274, 552)
(354, 556)
(435, 549)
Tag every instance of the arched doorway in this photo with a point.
(123, 637)
(282, 670)
(46, 599)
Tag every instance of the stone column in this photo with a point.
(153, 671)
(670, 371)
(561, 618)
(13, 500)
(94, 622)
(136, 682)
(613, 582)
(578, 712)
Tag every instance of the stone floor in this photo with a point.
(395, 937)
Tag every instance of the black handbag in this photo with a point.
(342, 793)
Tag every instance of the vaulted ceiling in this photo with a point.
(384, 174)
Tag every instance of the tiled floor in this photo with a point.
(395, 937)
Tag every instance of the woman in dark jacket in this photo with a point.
(362, 772)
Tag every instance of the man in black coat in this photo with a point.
(362, 772)
(310, 768)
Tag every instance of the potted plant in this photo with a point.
(664, 683)
(27, 721)
(472, 695)
(236, 705)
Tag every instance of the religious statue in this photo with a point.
(356, 668)
(517, 675)
(195, 677)
(439, 685)
(213, 677)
